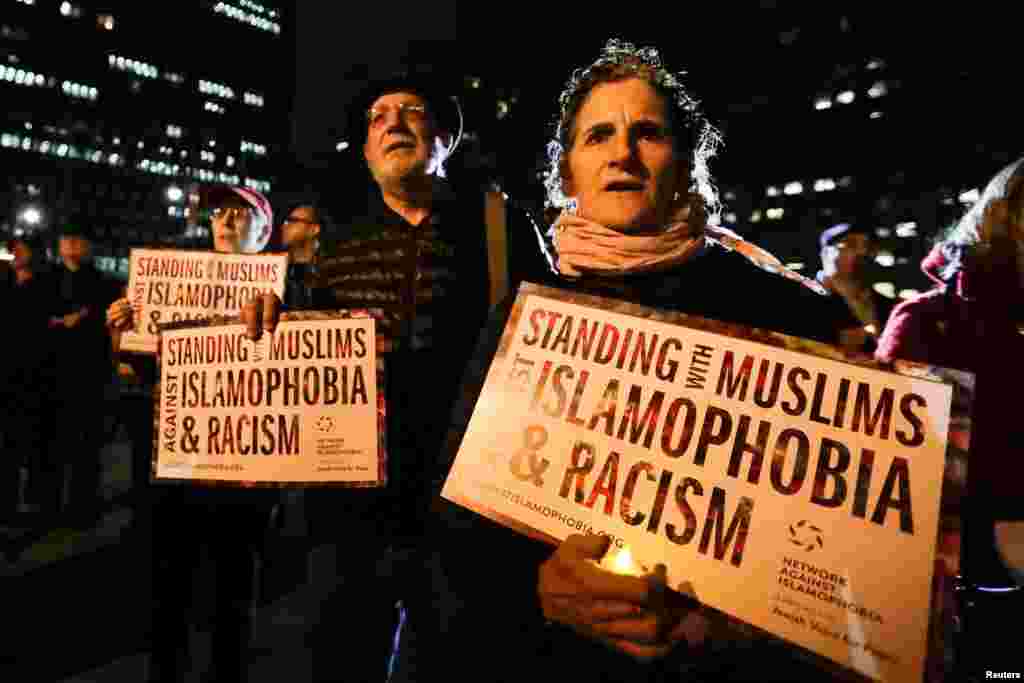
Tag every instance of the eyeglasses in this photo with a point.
(290, 219)
(227, 212)
(410, 112)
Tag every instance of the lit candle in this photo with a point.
(621, 562)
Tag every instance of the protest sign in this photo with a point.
(778, 481)
(166, 285)
(303, 405)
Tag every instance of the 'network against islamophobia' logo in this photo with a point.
(805, 535)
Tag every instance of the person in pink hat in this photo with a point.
(175, 522)
(241, 218)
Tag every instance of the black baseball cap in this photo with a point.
(838, 232)
(75, 226)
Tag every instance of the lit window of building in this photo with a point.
(23, 77)
(885, 259)
(845, 181)
(56, 149)
(772, 191)
(970, 196)
(173, 77)
(245, 15)
(822, 103)
(886, 289)
(908, 293)
(845, 97)
(906, 229)
(730, 217)
(80, 91)
(254, 148)
(824, 185)
(135, 66)
(755, 217)
(105, 21)
(876, 115)
(209, 157)
(775, 214)
(253, 99)
(875, 64)
(214, 107)
(258, 185)
(216, 89)
(68, 9)
(793, 188)
(796, 265)
(878, 89)
(174, 131)
(883, 232)
(27, 2)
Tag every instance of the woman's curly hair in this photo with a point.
(693, 133)
(963, 237)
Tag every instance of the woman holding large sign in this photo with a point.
(230, 522)
(629, 173)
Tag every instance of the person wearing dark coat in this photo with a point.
(637, 223)
(859, 312)
(82, 353)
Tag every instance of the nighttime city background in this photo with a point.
(114, 111)
(829, 114)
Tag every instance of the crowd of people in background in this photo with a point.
(633, 215)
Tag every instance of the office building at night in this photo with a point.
(113, 111)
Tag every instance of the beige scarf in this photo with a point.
(585, 247)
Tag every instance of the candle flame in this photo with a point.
(622, 562)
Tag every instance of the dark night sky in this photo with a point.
(736, 61)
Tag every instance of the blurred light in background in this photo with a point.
(886, 289)
(32, 215)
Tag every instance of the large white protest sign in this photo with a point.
(302, 405)
(783, 485)
(167, 285)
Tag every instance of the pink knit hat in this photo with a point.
(260, 238)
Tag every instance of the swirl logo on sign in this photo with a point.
(805, 535)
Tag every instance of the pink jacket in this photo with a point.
(970, 325)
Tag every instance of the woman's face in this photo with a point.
(232, 224)
(623, 169)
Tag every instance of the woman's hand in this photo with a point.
(261, 315)
(120, 317)
(621, 611)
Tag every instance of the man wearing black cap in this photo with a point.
(419, 255)
(859, 311)
(83, 368)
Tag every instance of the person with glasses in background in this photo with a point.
(859, 311)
